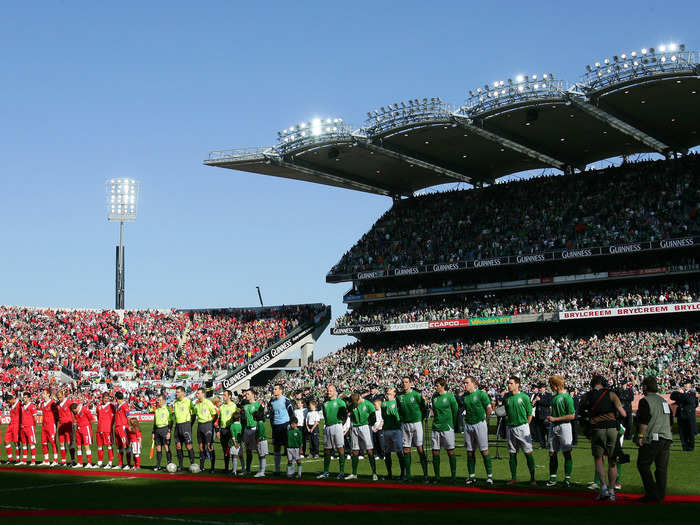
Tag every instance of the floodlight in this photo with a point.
(623, 56)
(672, 47)
(519, 78)
(644, 51)
(120, 194)
(662, 48)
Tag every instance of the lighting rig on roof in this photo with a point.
(313, 131)
(512, 91)
(405, 113)
(646, 62)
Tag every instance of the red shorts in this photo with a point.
(65, 432)
(11, 435)
(48, 434)
(28, 436)
(83, 436)
(120, 437)
(104, 439)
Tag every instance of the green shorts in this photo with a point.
(603, 442)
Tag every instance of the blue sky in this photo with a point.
(89, 92)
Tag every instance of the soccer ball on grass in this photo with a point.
(171, 467)
(194, 468)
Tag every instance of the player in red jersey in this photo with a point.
(65, 427)
(121, 425)
(49, 417)
(134, 435)
(83, 433)
(105, 421)
(12, 432)
(27, 432)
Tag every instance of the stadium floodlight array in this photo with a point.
(410, 112)
(315, 131)
(122, 199)
(647, 62)
(503, 93)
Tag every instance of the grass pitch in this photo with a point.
(33, 494)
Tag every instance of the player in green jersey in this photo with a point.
(518, 417)
(184, 417)
(226, 411)
(477, 409)
(361, 415)
(391, 427)
(560, 435)
(412, 412)
(335, 413)
(249, 427)
(445, 414)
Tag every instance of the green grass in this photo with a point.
(24, 489)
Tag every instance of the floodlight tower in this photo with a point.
(122, 205)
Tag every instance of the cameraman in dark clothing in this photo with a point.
(542, 402)
(687, 403)
(626, 396)
(654, 440)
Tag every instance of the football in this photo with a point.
(194, 468)
(171, 467)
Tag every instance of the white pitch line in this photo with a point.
(16, 489)
(15, 507)
(183, 520)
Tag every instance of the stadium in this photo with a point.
(582, 272)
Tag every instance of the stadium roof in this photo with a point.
(643, 102)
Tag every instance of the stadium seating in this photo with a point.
(549, 300)
(645, 201)
(150, 344)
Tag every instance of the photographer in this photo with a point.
(654, 439)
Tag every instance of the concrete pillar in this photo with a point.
(307, 354)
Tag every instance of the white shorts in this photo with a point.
(476, 436)
(361, 438)
(519, 437)
(392, 441)
(293, 455)
(249, 439)
(412, 434)
(560, 438)
(333, 437)
(262, 448)
(135, 448)
(443, 439)
(235, 451)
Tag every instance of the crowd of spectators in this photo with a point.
(636, 202)
(514, 303)
(622, 356)
(149, 345)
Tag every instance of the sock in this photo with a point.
(55, 451)
(569, 466)
(596, 478)
(63, 455)
(326, 462)
(202, 457)
(387, 462)
(180, 457)
(190, 453)
(80, 456)
(513, 463)
(299, 469)
(423, 463)
(619, 474)
(72, 452)
(212, 455)
(488, 465)
(24, 453)
(263, 464)
(138, 461)
(355, 462)
(226, 459)
(553, 467)
(342, 462)
(372, 463)
(248, 460)
(400, 455)
(8, 451)
(471, 466)
(168, 456)
(290, 469)
(159, 458)
(453, 465)
(407, 463)
(436, 466)
(120, 457)
(100, 456)
(88, 455)
(45, 450)
(278, 463)
(110, 454)
(235, 464)
(530, 466)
